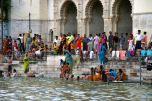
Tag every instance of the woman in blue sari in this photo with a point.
(69, 59)
(102, 54)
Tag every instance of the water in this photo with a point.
(47, 89)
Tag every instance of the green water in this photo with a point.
(44, 89)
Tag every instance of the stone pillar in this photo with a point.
(51, 21)
(62, 24)
(87, 22)
(79, 26)
(106, 16)
(107, 24)
(58, 26)
(114, 23)
(84, 26)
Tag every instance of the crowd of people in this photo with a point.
(95, 74)
(85, 48)
(98, 46)
(34, 46)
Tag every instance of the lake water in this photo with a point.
(47, 89)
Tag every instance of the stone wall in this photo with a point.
(46, 15)
(21, 8)
(124, 18)
(143, 22)
(142, 6)
(37, 26)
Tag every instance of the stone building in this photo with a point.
(80, 16)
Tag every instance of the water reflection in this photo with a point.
(23, 89)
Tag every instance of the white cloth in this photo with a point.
(56, 41)
(77, 52)
(139, 37)
(21, 38)
(38, 52)
(84, 54)
(91, 54)
(117, 54)
(91, 38)
(113, 53)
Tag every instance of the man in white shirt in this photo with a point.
(56, 40)
(22, 42)
(139, 38)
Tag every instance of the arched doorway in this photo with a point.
(122, 16)
(94, 12)
(68, 16)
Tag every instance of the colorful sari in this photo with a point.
(102, 54)
(26, 64)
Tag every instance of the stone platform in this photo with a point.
(131, 67)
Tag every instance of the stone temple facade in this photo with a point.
(80, 16)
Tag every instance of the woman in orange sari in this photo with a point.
(79, 42)
(95, 74)
(121, 75)
(90, 77)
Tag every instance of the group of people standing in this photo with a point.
(87, 47)
(99, 45)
